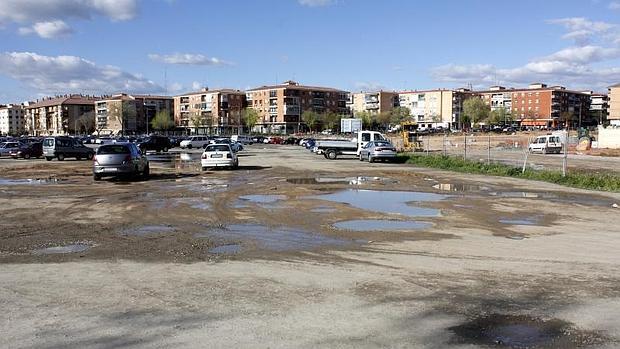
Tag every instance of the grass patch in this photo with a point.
(583, 180)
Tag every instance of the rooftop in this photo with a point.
(296, 85)
(65, 99)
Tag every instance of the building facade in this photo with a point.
(372, 102)
(210, 111)
(540, 105)
(61, 115)
(434, 108)
(280, 107)
(614, 105)
(12, 120)
(599, 104)
(130, 114)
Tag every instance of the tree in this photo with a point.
(399, 114)
(367, 119)
(198, 120)
(567, 118)
(331, 121)
(475, 110)
(85, 123)
(162, 121)
(250, 118)
(311, 118)
(383, 119)
(436, 118)
(499, 116)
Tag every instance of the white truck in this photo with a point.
(332, 149)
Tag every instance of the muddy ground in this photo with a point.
(282, 253)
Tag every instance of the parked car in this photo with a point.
(375, 150)
(274, 140)
(27, 151)
(155, 143)
(218, 155)
(65, 147)
(235, 146)
(243, 139)
(291, 141)
(194, 142)
(546, 144)
(7, 147)
(258, 139)
(120, 159)
(103, 140)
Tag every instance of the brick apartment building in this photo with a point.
(372, 102)
(60, 115)
(614, 105)
(280, 106)
(435, 108)
(540, 105)
(128, 114)
(210, 111)
(12, 120)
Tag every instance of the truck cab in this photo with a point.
(332, 149)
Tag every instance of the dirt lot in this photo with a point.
(282, 254)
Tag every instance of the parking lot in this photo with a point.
(293, 250)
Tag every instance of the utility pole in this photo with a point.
(565, 158)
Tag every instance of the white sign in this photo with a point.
(350, 125)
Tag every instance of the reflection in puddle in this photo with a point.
(525, 221)
(175, 160)
(262, 199)
(340, 180)
(381, 225)
(394, 202)
(226, 249)
(31, 181)
(73, 248)
(273, 238)
(458, 187)
(148, 230)
(506, 331)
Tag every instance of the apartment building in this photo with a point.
(210, 111)
(130, 114)
(614, 105)
(60, 115)
(539, 105)
(280, 106)
(599, 104)
(12, 119)
(434, 108)
(372, 102)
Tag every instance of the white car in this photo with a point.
(546, 144)
(218, 155)
(194, 142)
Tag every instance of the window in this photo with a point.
(365, 137)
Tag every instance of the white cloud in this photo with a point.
(614, 5)
(53, 74)
(175, 87)
(315, 3)
(369, 86)
(48, 30)
(187, 59)
(196, 86)
(583, 30)
(50, 16)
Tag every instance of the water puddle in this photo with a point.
(520, 332)
(391, 202)
(175, 160)
(73, 248)
(522, 221)
(226, 249)
(262, 199)
(459, 187)
(341, 180)
(381, 225)
(273, 238)
(147, 230)
(31, 181)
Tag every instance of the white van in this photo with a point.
(194, 142)
(546, 144)
(243, 139)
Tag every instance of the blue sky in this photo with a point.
(174, 46)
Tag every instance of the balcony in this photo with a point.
(372, 106)
(291, 110)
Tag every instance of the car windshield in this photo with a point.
(113, 149)
(217, 147)
(382, 144)
(49, 142)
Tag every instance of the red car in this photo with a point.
(27, 151)
(276, 140)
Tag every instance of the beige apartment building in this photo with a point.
(210, 111)
(280, 106)
(614, 105)
(61, 115)
(130, 114)
(435, 108)
(372, 102)
(12, 120)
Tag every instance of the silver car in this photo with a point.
(120, 159)
(378, 150)
(7, 147)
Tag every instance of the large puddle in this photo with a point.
(520, 332)
(390, 202)
(32, 181)
(175, 160)
(73, 248)
(381, 225)
(341, 180)
(459, 187)
(273, 238)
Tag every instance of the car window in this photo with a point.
(382, 144)
(49, 142)
(218, 147)
(113, 149)
(378, 136)
(365, 137)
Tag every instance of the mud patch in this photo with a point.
(390, 202)
(507, 331)
(73, 248)
(273, 238)
(147, 230)
(381, 225)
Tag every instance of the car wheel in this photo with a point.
(96, 177)
(89, 156)
(165, 150)
(189, 146)
(146, 172)
(26, 156)
(48, 158)
(78, 158)
(544, 151)
(331, 154)
(61, 157)
(204, 168)
(370, 159)
(361, 157)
